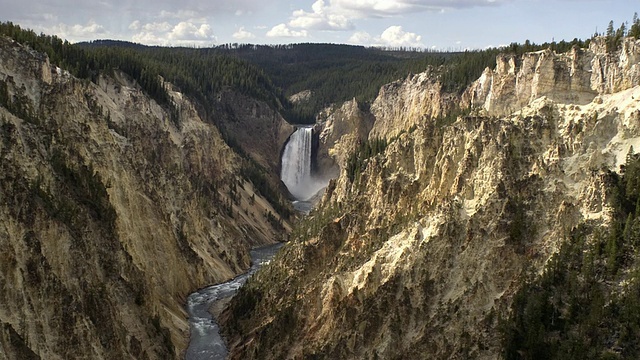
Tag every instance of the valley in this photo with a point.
(425, 205)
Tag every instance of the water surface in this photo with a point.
(205, 340)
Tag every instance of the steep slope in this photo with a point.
(576, 77)
(112, 209)
(339, 130)
(420, 253)
(256, 128)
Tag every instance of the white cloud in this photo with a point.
(183, 33)
(180, 14)
(282, 30)
(157, 27)
(377, 8)
(393, 36)
(243, 34)
(148, 38)
(337, 14)
(135, 25)
(77, 32)
(361, 37)
(322, 17)
(188, 31)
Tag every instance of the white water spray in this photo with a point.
(296, 165)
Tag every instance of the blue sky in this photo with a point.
(437, 24)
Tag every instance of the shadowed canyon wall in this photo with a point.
(112, 210)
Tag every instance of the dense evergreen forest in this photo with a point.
(337, 73)
(333, 73)
(198, 76)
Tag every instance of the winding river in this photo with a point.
(206, 342)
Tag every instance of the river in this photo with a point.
(205, 342)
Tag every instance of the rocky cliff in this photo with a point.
(576, 77)
(259, 130)
(407, 103)
(420, 254)
(112, 209)
(339, 130)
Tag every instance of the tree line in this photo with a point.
(614, 36)
(337, 73)
(200, 77)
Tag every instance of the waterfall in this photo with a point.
(296, 165)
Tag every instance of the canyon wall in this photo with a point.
(112, 210)
(259, 130)
(339, 130)
(419, 255)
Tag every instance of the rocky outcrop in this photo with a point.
(340, 129)
(575, 77)
(257, 129)
(420, 254)
(112, 210)
(407, 103)
(301, 97)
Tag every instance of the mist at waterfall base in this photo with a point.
(296, 168)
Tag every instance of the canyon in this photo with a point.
(113, 210)
(419, 253)
(442, 205)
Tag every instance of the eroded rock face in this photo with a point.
(575, 77)
(407, 103)
(419, 255)
(340, 129)
(111, 212)
(259, 130)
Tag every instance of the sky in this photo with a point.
(430, 24)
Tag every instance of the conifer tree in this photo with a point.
(634, 31)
